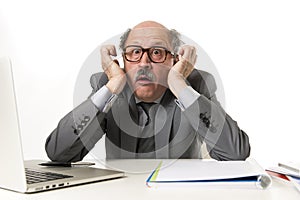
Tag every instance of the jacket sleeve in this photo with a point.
(78, 131)
(222, 135)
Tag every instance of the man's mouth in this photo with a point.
(143, 79)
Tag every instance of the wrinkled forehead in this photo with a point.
(149, 36)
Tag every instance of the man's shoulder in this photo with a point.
(97, 80)
(197, 75)
(203, 82)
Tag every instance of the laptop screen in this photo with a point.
(12, 171)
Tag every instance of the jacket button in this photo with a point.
(86, 118)
(79, 127)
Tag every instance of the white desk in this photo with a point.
(133, 187)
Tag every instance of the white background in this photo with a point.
(255, 46)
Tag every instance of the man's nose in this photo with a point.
(145, 60)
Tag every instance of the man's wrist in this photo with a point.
(177, 85)
(187, 97)
(116, 83)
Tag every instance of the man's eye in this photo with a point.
(136, 51)
(157, 51)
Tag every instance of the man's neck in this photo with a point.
(137, 100)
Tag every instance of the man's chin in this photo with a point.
(145, 89)
(149, 92)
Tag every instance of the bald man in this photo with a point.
(158, 106)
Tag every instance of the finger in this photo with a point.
(192, 56)
(194, 60)
(112, 50)
(188, 53)
(106, 52)
(181, 51)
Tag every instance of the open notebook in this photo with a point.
(236, 174)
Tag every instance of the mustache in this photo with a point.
(144, 73)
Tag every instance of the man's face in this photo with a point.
(148, 79)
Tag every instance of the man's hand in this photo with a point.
(182, 69)
(116, 76)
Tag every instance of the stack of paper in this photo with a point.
(238, 174)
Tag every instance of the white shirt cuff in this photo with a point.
(187, 97)
(103, 99)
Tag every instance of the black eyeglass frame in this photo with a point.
(147, 50)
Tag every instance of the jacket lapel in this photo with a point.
(128, 124)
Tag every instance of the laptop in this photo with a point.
(28, 176)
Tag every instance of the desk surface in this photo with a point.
(133, 187)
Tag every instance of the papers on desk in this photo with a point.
(191, 172)
(289, 171)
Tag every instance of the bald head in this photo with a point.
(149, 24)
(173, 35)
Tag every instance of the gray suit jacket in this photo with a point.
(178, 133)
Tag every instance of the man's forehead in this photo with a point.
(149, 30)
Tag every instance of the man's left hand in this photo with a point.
(182, 69)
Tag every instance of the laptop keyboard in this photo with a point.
(35, 176)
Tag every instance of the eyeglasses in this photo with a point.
(156, 54)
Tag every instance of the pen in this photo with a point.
(66, 164)
(290, 166)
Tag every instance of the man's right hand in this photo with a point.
(116, 75)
